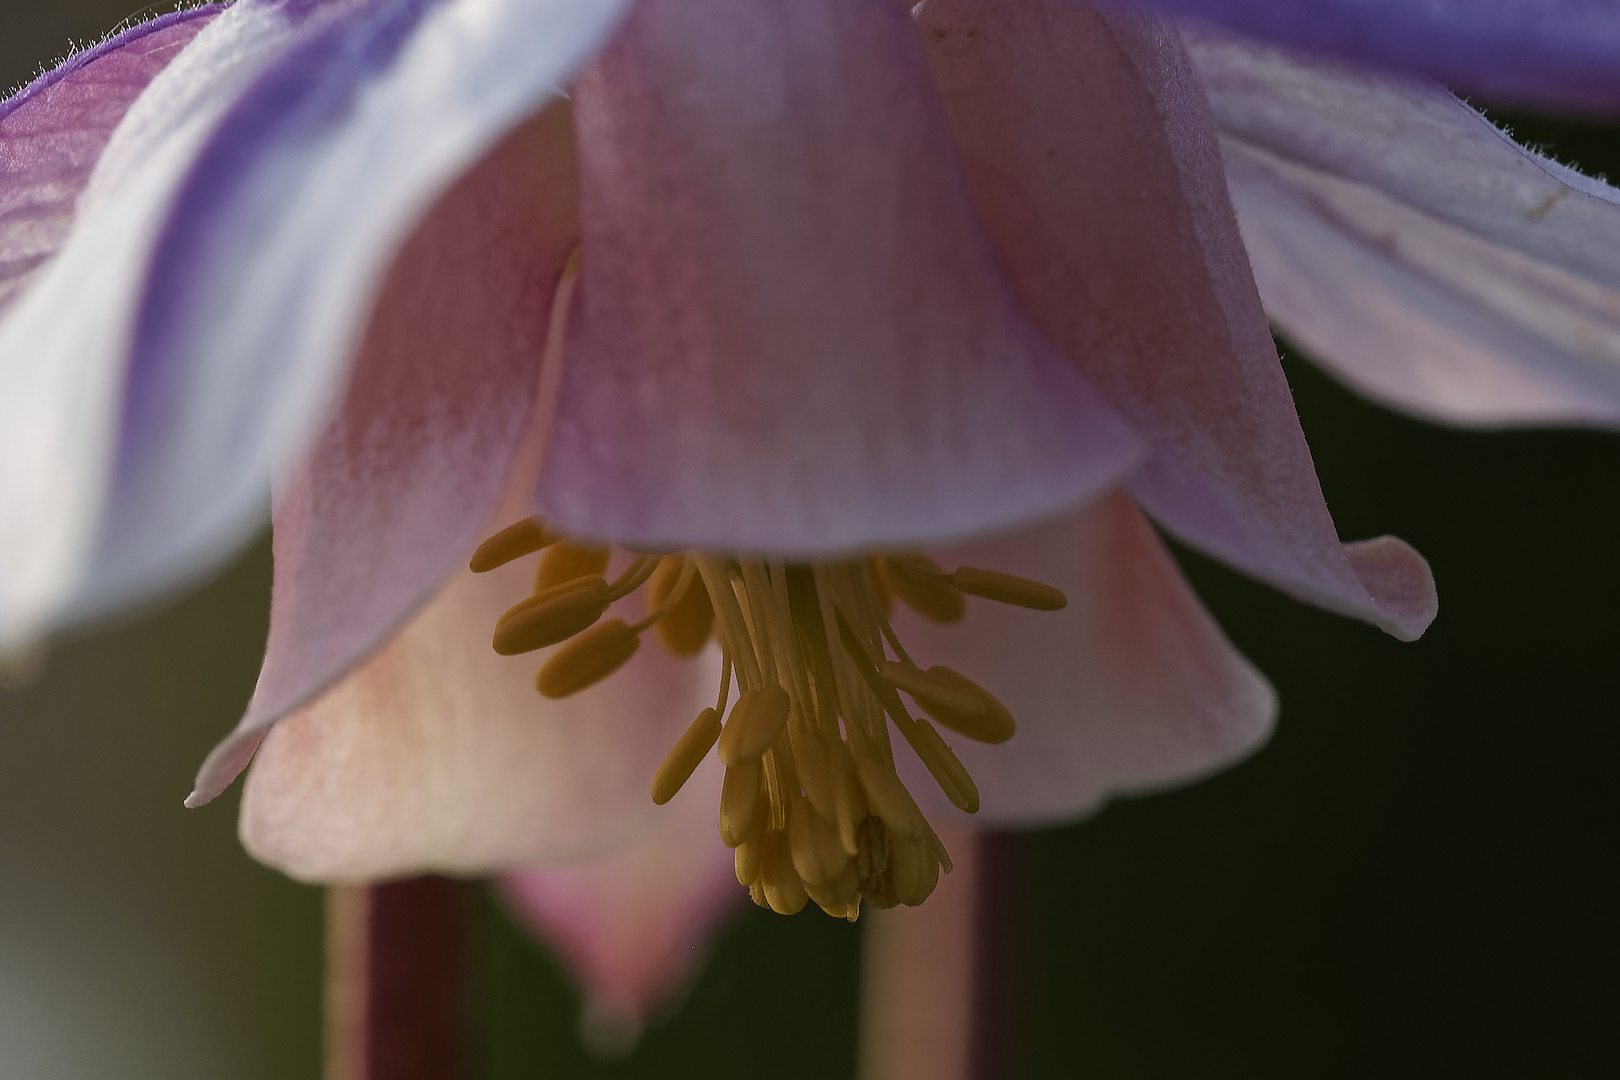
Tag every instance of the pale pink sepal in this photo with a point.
(791, 332)
(1412, 248)
(1131, 687)
(633, 925)
(398, 488)
(438, 755)
(53, 131)
(1093, 158)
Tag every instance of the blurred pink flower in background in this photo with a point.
(968, 280)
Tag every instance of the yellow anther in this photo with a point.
(815, 775)
(1007, 589)
(927, 686)
(924, 587)
(912, 871)
(739, 802)
(990, 723)
(568, 560)
(841, 898)
(951, 775)
(512, 542)
(683, 760)
(871, 862)
(889, 799)
(755, 721)
(745, 860)
(880, 584)
(848, 797)
(783, 890)
(587, 659)
(685, 628)
(864, 664)
(818, 855)
(811, 802)
(554, 615)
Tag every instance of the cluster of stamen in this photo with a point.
(811, 800)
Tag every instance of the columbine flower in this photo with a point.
(844, 291)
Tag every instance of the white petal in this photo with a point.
(63, 343)
(1412, 248)
(247, 306)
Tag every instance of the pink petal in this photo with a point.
(792, 333)
(401, 484)
(438, 755)
(1092, 154)
(52, 132)
(1131, 687)
(634, 926)
(1413, 248)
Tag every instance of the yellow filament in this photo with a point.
(811, 800)
(925, 588)
(685, 617)
(634, 576)
(513, 542)
(683, 760)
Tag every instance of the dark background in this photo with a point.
(1413, 880)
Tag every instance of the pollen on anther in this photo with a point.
(587, 659)
(513, 542)
(811, 800)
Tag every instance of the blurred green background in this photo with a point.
(1414, 879)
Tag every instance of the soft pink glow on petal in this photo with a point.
(401, 484)
(438, 755)
(1131, 687)
(52, 133)
(634, 925)
(791, 331)
(398, 489)
(1412, 248)
(1093, 158)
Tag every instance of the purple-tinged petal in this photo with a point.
(1131, 687)
(64, 341)
(1552, 52)
(248, 299)
(1412, 248)
(634, 925)
(1093, 158)
(290, 218)
(53, 130)
(437, 754)
(394, 494)
(791, 333)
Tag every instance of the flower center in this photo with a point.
(811, 801)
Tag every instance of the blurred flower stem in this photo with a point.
(939, 983)
(397, 980)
